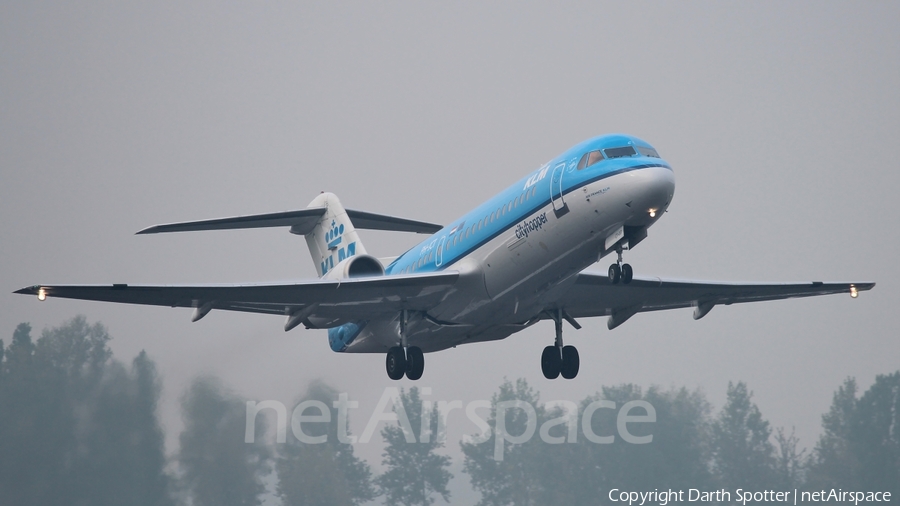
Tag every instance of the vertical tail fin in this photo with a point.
(334, 238)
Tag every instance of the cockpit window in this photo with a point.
(590, 159)
(582, 163)
(620, 152)
(648, 152)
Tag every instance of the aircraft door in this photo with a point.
(556, 190)
(439, 254)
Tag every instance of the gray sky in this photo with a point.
(780, 120)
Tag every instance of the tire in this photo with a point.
(615, 273)
(415, 362)
(395, 363)
(627, 273)
(551, 361)
(570, 362)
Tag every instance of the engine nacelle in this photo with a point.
(359, 266)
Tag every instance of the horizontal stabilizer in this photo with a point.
(301, 222)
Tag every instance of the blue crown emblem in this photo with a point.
(333, 236)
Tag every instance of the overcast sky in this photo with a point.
(781, 121)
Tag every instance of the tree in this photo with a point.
(415, 472)
(833, 462)
(514, 479)
(326, 473)
(743, 456)
(126, 461)
(35, 426)
(75, 428)
(860, 444)
(149, 442)
(875, 437)
(219, 468)
(790, 465)
(675, 454)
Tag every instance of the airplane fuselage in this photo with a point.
(511, 262)
(518, 251)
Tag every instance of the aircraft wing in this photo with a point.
(595, 295)
(368, 297)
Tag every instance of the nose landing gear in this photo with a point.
(619, 271)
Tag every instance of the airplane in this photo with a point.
(513, 261)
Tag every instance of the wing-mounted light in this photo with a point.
(853, 291)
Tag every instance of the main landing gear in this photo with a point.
(559, 360)
(411, 362)
(619, 271)
(404, 359)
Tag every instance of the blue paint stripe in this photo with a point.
(521, 216)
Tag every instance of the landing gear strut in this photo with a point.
(559, 360)
(404, 359)
(619, 271)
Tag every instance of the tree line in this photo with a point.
(79, 427)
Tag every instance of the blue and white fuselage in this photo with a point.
(511, 262)
(515, 251)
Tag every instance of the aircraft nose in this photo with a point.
(653, 193)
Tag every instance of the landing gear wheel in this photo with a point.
(415, 362)
(551, 362)
(615, 273)
(627, 273)
(395, 363)
(570, 362)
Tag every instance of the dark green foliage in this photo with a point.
(324, 473)
(516, 478)
(860, 446)
(572, 470)
(743, 455)
(77, 427)
(415, 472)
(876, 435)
(790, 464)
(219, 468)
(679, 452)
(833, 461)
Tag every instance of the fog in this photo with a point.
(780, 122)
